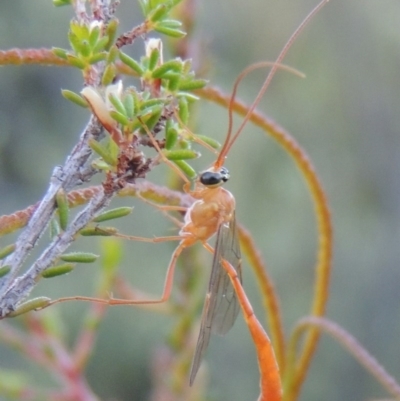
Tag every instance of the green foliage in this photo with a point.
(58, 270)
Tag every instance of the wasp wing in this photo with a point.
(221, 306)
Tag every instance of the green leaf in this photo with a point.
(95, 58)
(154, 58)
(153, 118)
(189, 96)
(7, 250)
(113, 54)
(186, 168)
(173, 81)
(172, 32)
(4, 270)
(113, 214)
(117, 103)
(181, 154)
(171, 23)
(158, 13)
(60, 3)
(62, 53)
(81, 31)
(79, 257)
(209, 141)
(74, 41)
(131, 63)
(103, 151)
(54, 228)
(183, 110)
(76, 62)
(129, 105)
(171, 65)
(101, 45)
(193, 84)
(32, 304)
(120, 118)
(58, 270)
(111, 32)
(147, 105)
(171, 135)
(75, 98)
(98, 231)
(94, 36)
(109, 74)
(85, 48)
(63, 208)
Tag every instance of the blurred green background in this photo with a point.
(345, 114)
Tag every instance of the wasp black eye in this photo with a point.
(214, 178)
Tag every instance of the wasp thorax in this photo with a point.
(211, 178)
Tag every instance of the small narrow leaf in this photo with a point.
(131, 63)
(7, 250)
(97, 57)
(171, 136)
(76, 62)
(109, 75)
(183, 110)
(4, 270)
(129, 105)
(111, 33)
(62, 53)
(171, 65)
(153, 118)
(101, 44)
(113, 54)
(181, 154)
(173, 82)
(28, 306)
(63, 208)
(74, 41)
(113, 214)
(85, 48)
(59, 3)
(58, 270)
(171, 23)
(94, 36)
(154, 59)
(75, 98)
(120, 118)
(158, 13)
(54, 228)
(100, 164)
(192, 84)
(98, 231)
(186, 168)
(117, 103)
(103, 151)
(209, 141)
(79, 257)
(172, 32)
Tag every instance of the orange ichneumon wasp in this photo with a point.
(213, 212)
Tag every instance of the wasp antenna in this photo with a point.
(274, 67)
(262, 64)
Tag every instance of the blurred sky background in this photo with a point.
(345, 114)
